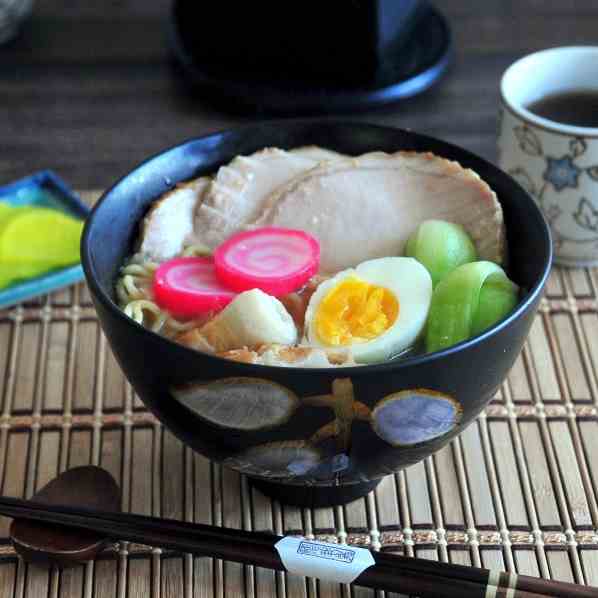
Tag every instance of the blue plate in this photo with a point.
(42, 189)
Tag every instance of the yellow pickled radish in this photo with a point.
(11, 273)
(14, 272)
(6, 276)
(40, 236)
(6, 211)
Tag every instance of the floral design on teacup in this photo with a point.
(586, 215)
(561, 173)
(552, 213)
(524, 179)
(528, 140)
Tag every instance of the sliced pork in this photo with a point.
(316, 153)
(366, 207)
(169, 223)
(236, 195)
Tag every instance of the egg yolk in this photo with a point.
(355, 311)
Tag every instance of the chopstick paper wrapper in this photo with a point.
(344, 564)
(332, 562)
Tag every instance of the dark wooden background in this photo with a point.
(88, 90)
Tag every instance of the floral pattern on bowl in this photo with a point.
(280, 435)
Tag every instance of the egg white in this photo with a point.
(411, 285)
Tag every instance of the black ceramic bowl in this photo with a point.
(310, 436)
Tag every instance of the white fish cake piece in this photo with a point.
(252, 318)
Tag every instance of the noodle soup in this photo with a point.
(309, 258)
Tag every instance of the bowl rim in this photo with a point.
(267, 370)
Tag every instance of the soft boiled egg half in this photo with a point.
(376, 309)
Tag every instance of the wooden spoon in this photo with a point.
(47, 544)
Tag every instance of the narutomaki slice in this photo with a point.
(188, 287)
(274, 260)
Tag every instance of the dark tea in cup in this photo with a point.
(578, 107)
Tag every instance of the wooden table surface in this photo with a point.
(88, 91)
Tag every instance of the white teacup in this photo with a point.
(556, 163)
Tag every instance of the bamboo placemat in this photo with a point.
(517, 490)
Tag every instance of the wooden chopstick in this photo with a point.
(427, 579)
(500, 579)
